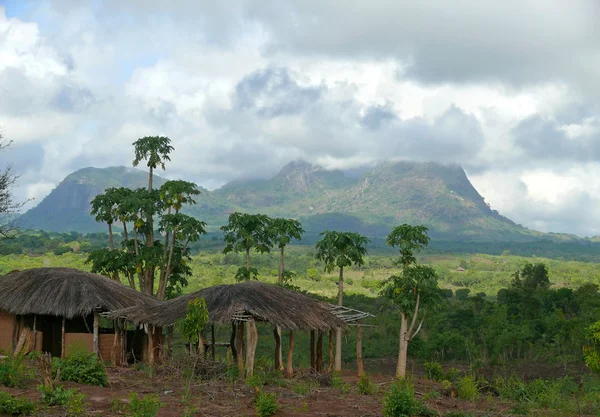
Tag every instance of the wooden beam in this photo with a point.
(34, 332)
(251, 342)
(289, 369)
(331, 357)
(277, 356)
(96, 331)
(313, 357)
(240, 348)
(212, 340)
(115, 346)
(150, 344)
(359, 357)
(232, 342)
(319, 367)
(62, 338)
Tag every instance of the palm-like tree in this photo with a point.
(282, 232)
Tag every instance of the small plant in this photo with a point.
(338, 383)
(458, 414)
(366, 386)
(117, 405)
(256, 381)
(400, 401)
(76, 405)
(266, 404)
(432, 395)
(81, 366)
(56, 395)
(467, 388)
(14, 371)
(147, 406)
(15, 406)
(452, 374)
(433, 371)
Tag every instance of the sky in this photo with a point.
(509, 90)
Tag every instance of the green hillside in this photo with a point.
(439, 196)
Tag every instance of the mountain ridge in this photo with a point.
(438, 196)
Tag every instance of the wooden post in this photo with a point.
(359, 357)
(34, 332)
(319, 367)
(313, 358)
(290, 370)
(201, 345)
(96, 325)
(170, 342)
(251, 342)
(151, 344)
(212, 341)
(277, 357)
(62, 337)
(331, 357)
(123, 331)
(232, 342)
(115, 343)
(240, 348)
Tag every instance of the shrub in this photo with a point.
(400, 401)
(14, 371)
(266, 404)
(57, 395)
(462, 293)
(76, 405)
(147, 406)
(433, 371)
(467, 389)
(338, 383)
(366, 386)
(14, 406)
(452, 374)
(81, 366)
(350, 281)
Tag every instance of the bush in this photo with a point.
(338, 383)
(81, 366)
(433, 371)
(462, 293)
(467, 389)
(57, 395)
(14, 371)
(452, 374)
(266, 404)
(400, 401)
(76, 405)
(366, 386)
(15, 406)
(147, 406)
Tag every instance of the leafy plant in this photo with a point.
(366, 386)
(147, 406)
(76, 405)
(400, 401)
(15, 406)
(14, 371)
(338, 383)
(81, 366)
(56, 395)
(266, 404)
(433, 371)
(467, 388)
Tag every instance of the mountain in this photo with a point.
(439, 196)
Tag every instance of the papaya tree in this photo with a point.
(340, 250)
(282, 232)
(246, 232)
(412, 291)
(591, 351)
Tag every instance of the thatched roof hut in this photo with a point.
(262, 302)
(64, 292)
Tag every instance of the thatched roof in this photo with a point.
(251, 299)
(64, 292)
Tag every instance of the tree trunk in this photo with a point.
(338, 331)
(319, 351)
(277, 357)
(110, 237)
(252, 341)
(359, 356)
(125, 233)
(289, 369)
(201, 348)
(281, 266)
(313, 358)
(331, 359)
(247, 264)
(402, 348)
(96, 331)
(240, 348)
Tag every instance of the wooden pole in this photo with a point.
(170, 342)
(313, 358)
(277, 356)
(290, 370)
(96, 328)
(62, 336)
(359, 357)
(212, 341)
(319, 367)
(115, 343)
(150, 344)
(331, 357)
(34, 332)
(232, 342)
(251, 342)
(240, 348)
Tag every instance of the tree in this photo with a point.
(413, 290)
(531, 277)
(282, 232)
(592, 351)
(340, 250)
(243, 233)
(140, 253)
(8, 206)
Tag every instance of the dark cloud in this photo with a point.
(376, 116)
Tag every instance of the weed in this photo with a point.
(14, 371)
(81, 366)
(117, 405)
(338, 383)
(366, 386)
(15, 406)
(76, 405)
(57, 395)
(432, 395)
(147, 406)
(458, 414)
(433, 371)
(467, 388)
(400, 401)
(452, 374)
(266, 404)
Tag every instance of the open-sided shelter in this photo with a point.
(52, 309)
(247, 302)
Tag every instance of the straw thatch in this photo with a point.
(64, 292)
(251, 299)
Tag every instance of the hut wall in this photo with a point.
(7, 325)
(105, 344)
(75, 340)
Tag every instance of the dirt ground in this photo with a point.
(222, 398)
